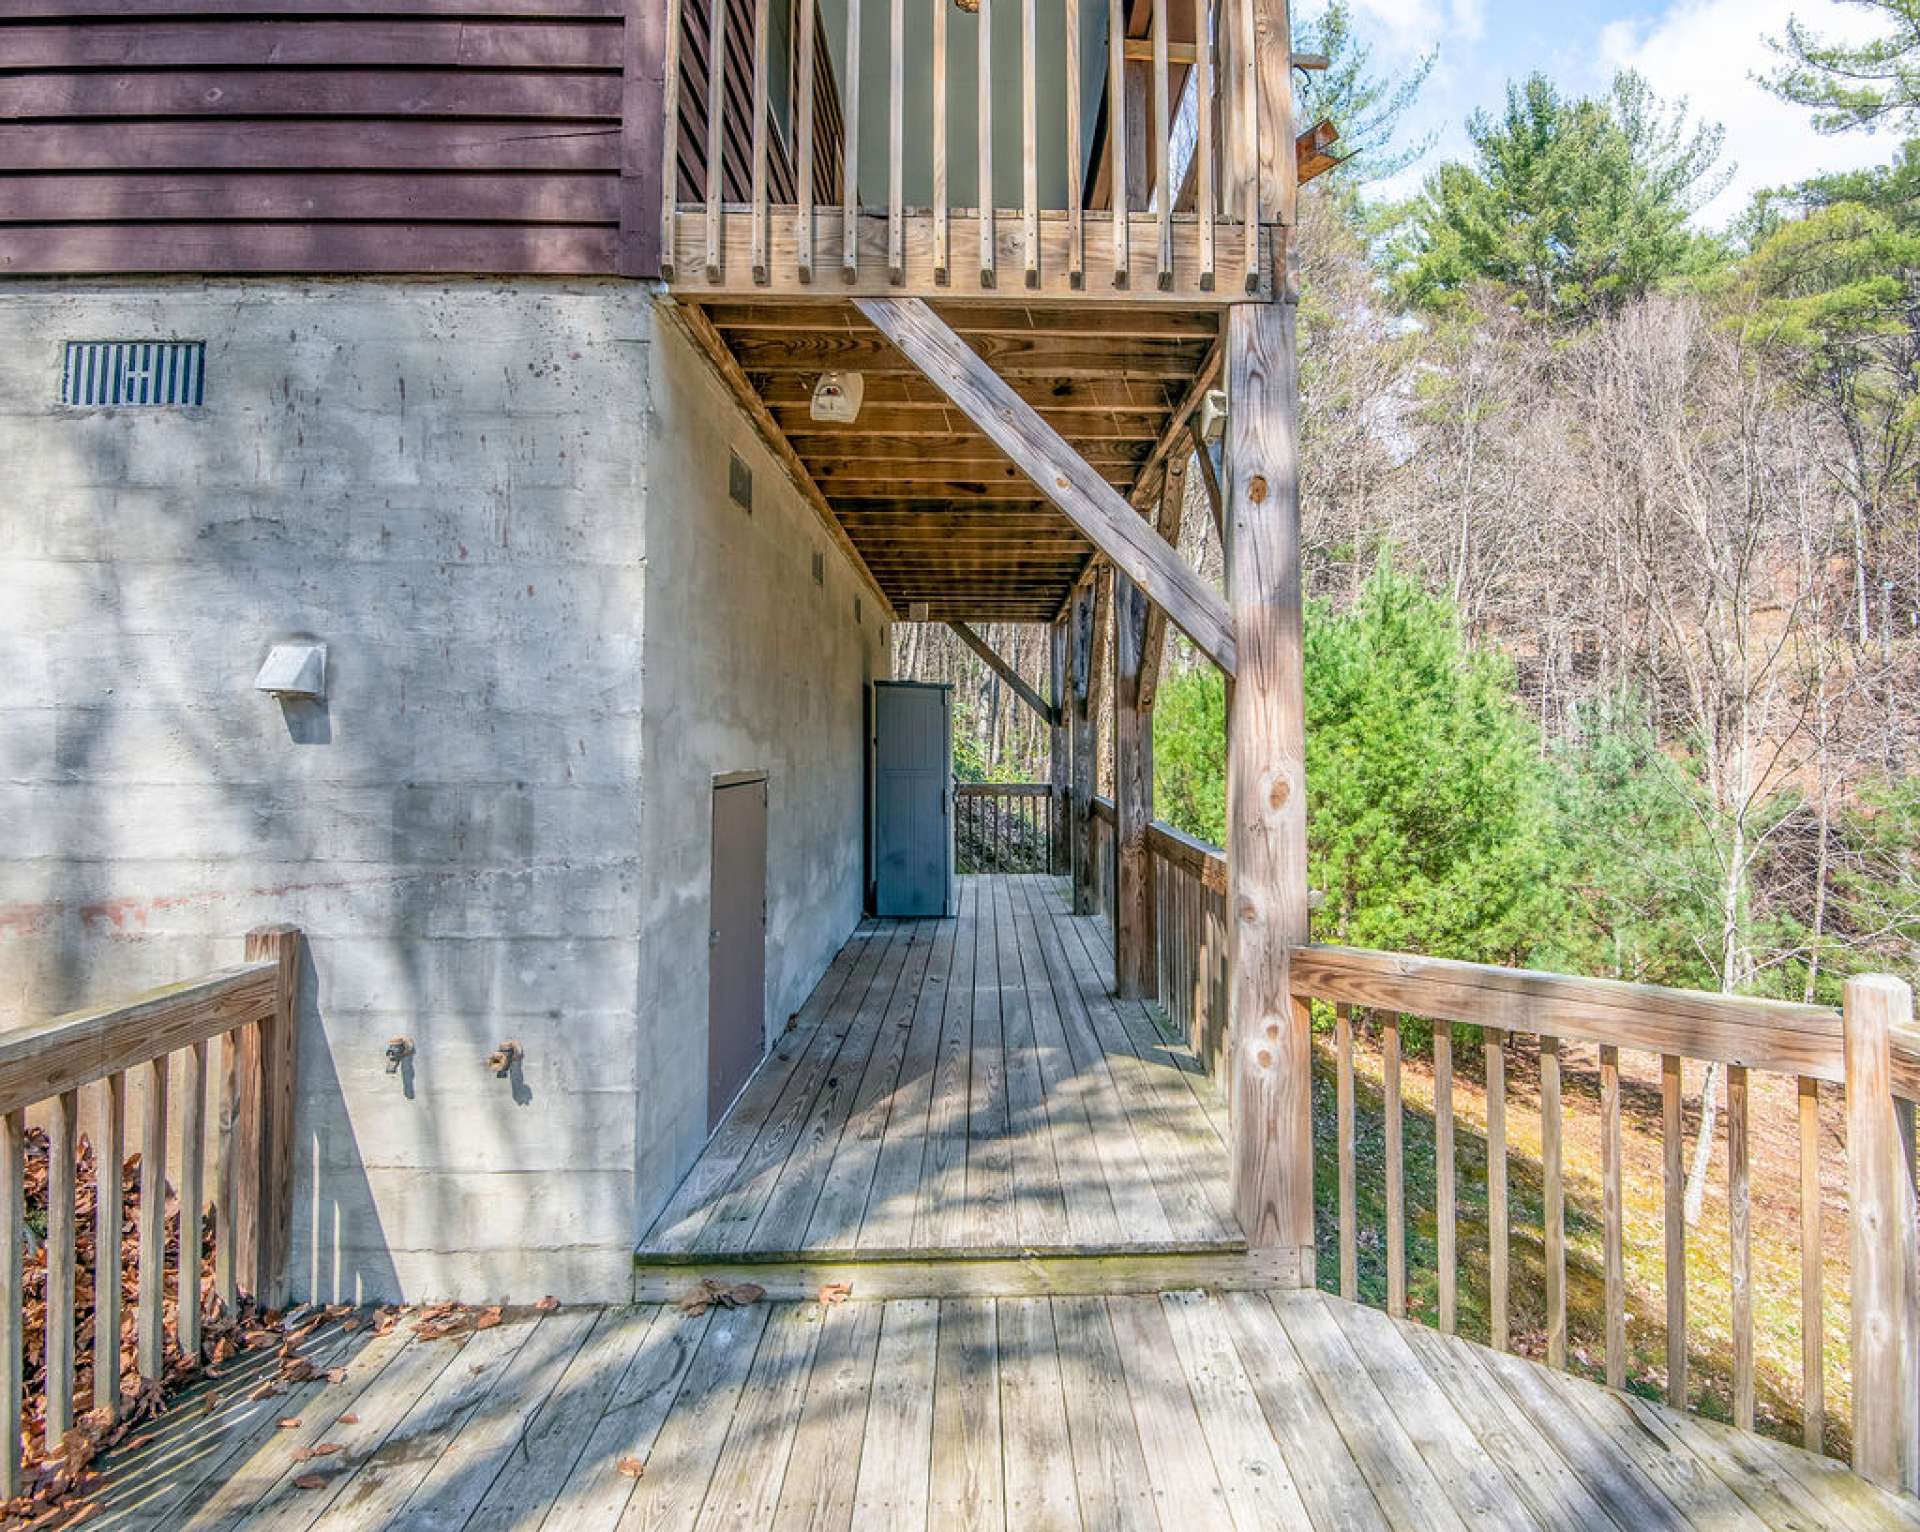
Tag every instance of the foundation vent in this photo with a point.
(740, 482)
(134, 373)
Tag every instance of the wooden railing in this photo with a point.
(1004, 826)
(1122, 173)
(45, 1067)
(1869, 1047)
(1100, 832)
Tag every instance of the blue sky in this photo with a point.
(1705, 50)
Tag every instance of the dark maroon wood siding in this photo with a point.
(330, 136)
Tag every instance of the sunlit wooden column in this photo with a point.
(1133, 931)
(1080, 800)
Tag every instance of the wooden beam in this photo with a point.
(698, 329)
(1134, 944)
(1210, 477)
(1004, 671)
(1270, 1042)
(1310, 156)
(1171, 442)
(1173, 505)
(1086, 499)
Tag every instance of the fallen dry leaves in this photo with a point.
(633, 1468)
(835, 1292)
(711, 1294)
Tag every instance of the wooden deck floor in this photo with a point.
(965, 1086)
(1185, 1411)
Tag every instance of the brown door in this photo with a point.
(736, 942)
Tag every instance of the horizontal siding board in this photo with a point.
(436, 249)
(325, 43)
(120, 10)
(303, 144)
(312, 93)
(322, 196)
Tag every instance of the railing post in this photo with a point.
(266, 1133)
(1880, 1192)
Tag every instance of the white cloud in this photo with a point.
(1712, 52)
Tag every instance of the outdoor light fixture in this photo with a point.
(837, 396)
(294, 671)
(917, 611)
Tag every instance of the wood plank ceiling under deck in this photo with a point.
(932, 505)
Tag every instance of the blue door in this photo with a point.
(912, 793)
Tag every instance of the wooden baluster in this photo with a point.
(762, 229)
(1446, 1220)
(1117, 137)
(942, 239)
(13, 1304)
(1030, 136)
(191, 1185)
(1610, 1193)
(1203, 138)
(896, 141)
(1250, 125)
(227, 1173)
(109, 1217)
(1813, 1364)
(1076, 155)
(1164, 189)
(1738, 1231)
(803, 153)
(1349, 1243)
(151, 1345)
(850, 151)
(62, 1131)
(988, 277)
(1497, 1187)
(670, 147)
(1553, 1202)
(1396, 1174)
(1880, 1198)
(716, 129)
(1676, 1229)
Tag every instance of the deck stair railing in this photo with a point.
(160, 1039)
(1868, 1047)
(1125, 172)
(1004, 827)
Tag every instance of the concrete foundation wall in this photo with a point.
(752, 665)
(450, 485)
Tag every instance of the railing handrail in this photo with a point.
(42, 1059)
(1002, 789)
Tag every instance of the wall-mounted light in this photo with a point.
(294, 671)
(1213, 415)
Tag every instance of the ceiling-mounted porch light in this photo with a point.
(837, 396)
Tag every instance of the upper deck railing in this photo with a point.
(1037, 145)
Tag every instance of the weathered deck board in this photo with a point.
(964, 1084)
(1187, 1412)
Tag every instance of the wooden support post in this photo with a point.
(1059, 761)
(268, 1119)
(13, 1307)
(1080, 633)
(1271, 1049)
(1153, 649)
(1880, 1195)
(1135, 944)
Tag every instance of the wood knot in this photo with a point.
(1257, 488)
(1264, 1059)
(1279, 793)
(1273, 1031)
